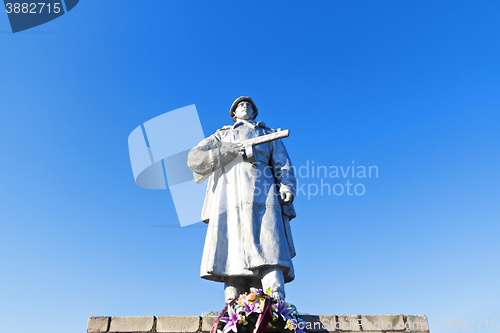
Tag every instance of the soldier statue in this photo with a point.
(248, 204)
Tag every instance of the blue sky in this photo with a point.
(411, 87)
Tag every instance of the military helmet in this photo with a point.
(235, 105)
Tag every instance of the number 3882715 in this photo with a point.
(32, 8)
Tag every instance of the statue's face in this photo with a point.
(244, 111)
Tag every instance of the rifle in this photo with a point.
(250, 143)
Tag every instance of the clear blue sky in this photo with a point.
(412, 87)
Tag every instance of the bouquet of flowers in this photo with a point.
(253, 311)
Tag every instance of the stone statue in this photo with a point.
(248, 205)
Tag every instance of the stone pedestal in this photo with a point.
(324, 323)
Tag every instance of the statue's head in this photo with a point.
(243, 108)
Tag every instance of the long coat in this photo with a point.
(248, 227)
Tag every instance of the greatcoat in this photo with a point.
(248, 224)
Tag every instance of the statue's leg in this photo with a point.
(234, 286)
(273, 278)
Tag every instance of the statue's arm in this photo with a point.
(283, 171)
(209, 155)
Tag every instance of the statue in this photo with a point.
(248, 204)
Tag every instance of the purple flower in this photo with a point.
(257, 291)
(230, 321)
(250, 307)
(283, 310)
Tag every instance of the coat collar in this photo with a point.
(252, 123)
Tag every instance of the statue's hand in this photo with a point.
(286, 197)
(237, 146)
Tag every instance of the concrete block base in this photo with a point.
(324, 323)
